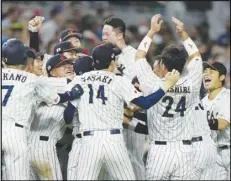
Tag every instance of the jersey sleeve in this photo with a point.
(224, 108)
(148, 80)
(75, 81)
(45, 92)
(125, 89)
(195, 72)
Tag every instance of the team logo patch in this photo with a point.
(49, 67)
(58, 49)
(190, 45)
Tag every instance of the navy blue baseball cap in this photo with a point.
(83, 64)
(103, 55)
(56, 61)
(14, 52)
(69, 33)
(65, 47)
(215, 66)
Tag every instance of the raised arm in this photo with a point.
(34, 26)
(194, 66)
(148, 80)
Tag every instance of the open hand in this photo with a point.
(179, 25)
(155, 23)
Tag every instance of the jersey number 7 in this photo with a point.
(100, 94)
(9, 89)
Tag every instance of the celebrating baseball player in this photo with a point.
(217, 105)
(21, 92)
(48, 125)
(170, 154)
(114, 32)
(101, 114)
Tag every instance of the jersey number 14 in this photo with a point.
(100, 94)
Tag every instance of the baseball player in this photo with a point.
(114, 32)
(170, 154)
(70, 35)
(217, 105)
(81, 65)
(48, 126)
(204, 147)
(21, 90)
(67, 49)
(101, 114)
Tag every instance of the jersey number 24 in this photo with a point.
(179, 108)
(9, 89)
(100, 94)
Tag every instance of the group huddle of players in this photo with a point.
(114, 100)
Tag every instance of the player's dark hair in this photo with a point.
(174, 57)
(116, 23)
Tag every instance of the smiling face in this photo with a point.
(64, 70)
(212, 79)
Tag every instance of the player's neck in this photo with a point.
(213, 93)
(18, 67)
(121, 44)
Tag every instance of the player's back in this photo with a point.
(101, 105)
(172, 113)
(18, 95)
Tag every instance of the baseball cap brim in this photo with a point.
(39, 54)
(66, 61)
(77, 50)
(78, 35)
(208, 65)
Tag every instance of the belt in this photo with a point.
(224, 147)
(44, 138)
(91, 133)
(185, 142)
(196, 139)
(19, 125)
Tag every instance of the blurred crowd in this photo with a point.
(87, 18)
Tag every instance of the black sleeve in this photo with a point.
(141, 128)
(34, 40)
(140, 116)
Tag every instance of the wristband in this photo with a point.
(133, 124)
(145, 44)
(190, 46)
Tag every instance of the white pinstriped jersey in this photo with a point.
(199, 120)
(20, 91)
(101, 105)
(126, 61)
(169, 119)
(48, 121)
(219, 107)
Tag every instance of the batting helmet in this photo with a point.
(14, 52)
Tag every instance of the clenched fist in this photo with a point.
(35, 23)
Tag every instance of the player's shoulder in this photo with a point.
(225, 94)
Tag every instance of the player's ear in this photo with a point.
(30, 65)
(222, 78)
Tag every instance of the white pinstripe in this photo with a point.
(172, 128)
(103, 149)
(48, 121)
(27, 89)
(219, 107)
